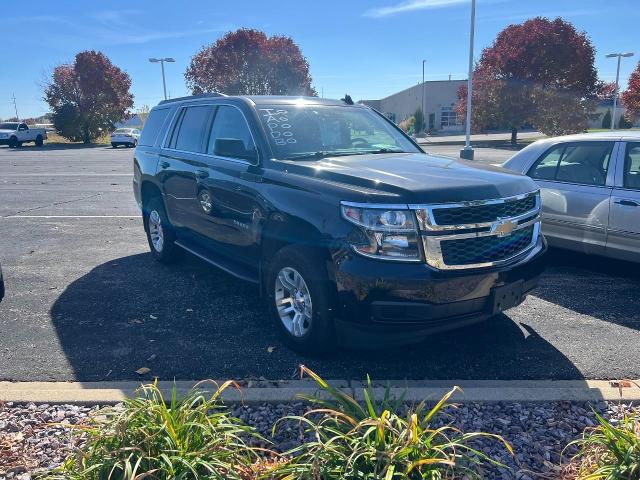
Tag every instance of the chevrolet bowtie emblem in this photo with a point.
(502, 228)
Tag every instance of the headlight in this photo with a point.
(4, 135)
(385, 233)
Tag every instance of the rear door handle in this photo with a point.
(165, 164)
(628, 203)
(202, 173)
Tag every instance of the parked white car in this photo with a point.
(590, 186)
(125, 136)
(15, 134)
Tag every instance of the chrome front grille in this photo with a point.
(480, 233)
(484, 213)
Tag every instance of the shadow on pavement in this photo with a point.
(29, 148)
(600, 287)
(191, 321)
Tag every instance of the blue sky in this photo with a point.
(367, 48)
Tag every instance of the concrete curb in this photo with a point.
(92, 393)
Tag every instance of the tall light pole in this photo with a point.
(162, 60)
(615, 94)
(422, 106)
(467, 151)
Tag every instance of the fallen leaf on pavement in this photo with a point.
(271, 349)
(143, 370)
(151, 357)
(153, 317)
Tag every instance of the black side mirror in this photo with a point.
(234, 148)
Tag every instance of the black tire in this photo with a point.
(13, 142)
(309, 263)
(114, 145)
(169, 251)
(39, 141)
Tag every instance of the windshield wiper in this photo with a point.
(384, 150)
(316, 155)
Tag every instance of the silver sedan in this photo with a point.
(590, 186)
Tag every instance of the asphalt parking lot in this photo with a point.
(85, 301)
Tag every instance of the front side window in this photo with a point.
(23, 127)
(580, 163)
(230, 135)
(299, 131)
(632, 166)
(189, 133)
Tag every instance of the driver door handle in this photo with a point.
(165, 164)
(202, 173)
(627, 203)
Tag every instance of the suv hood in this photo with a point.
(4, 130)
(418, 177)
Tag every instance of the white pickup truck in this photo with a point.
(15, 134)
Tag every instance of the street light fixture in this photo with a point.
(467, 151)
(162, 60)
(422, 106)
(615, 94)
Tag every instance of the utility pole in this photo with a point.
(467, 151)
(615, 94)
(15, 106)
(422, 106)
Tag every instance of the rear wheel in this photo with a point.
(160, 233)
(301, 299)
(39, 141)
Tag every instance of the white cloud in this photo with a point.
(409, 6)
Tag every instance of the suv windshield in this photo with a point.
(9, 126)
(315, 131)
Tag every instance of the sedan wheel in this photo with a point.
(293, 302)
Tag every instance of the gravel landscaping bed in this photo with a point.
(34, 438)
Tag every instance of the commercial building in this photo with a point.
(440, 96)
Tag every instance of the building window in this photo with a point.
(449, 117)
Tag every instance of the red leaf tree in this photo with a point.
(88, 96)
(631, 97)
(247, 62)
(528, 68)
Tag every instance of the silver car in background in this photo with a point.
(590, 186)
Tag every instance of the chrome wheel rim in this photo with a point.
(155, 231)
(293, 302)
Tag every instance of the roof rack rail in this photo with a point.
(192, 97)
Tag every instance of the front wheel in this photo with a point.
(160, 233)
(301, 299)
(13, 142)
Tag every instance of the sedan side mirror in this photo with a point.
(234, 148)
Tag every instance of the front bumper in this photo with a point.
(394, 303)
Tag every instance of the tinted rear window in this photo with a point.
(190, 136)
(152, 126)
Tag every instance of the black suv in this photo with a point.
(352, 232)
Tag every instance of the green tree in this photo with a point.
(606, 120)
(419, 120)
(624, 122)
